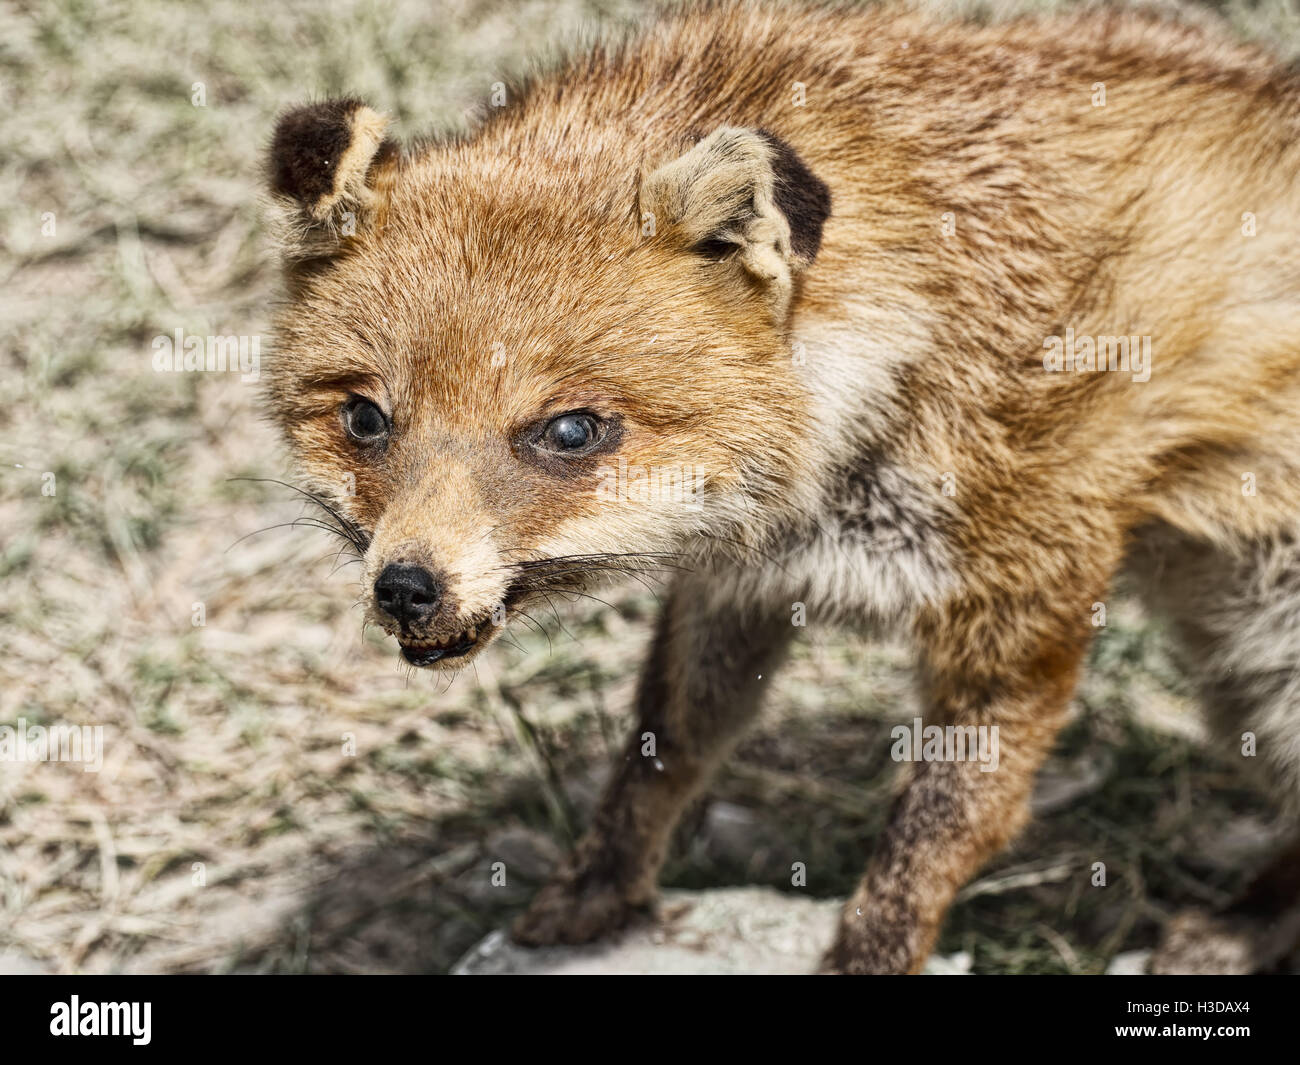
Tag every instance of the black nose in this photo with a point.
(408, 594)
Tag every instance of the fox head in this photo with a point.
(529, 361)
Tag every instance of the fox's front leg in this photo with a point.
(952, 816)
(711, 660)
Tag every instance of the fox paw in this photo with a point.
(572, 912)
(1199, 943)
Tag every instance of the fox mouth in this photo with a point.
(458, 645)
(432, 650)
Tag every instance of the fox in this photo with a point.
(909, 323)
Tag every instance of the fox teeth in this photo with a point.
(467, 636)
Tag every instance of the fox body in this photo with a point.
(943, 327)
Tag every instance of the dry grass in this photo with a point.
(225, 742)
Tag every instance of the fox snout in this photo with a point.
(409, 595)
(439, 616)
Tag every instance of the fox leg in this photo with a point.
(711, 660)
(1236, 615)
(952, 816)
(1253, 934)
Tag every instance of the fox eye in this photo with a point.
(364, 421)
(570, 432)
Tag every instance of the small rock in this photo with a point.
(953, 965)
(1129, 963)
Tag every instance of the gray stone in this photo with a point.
(1129, 963)
(747, 930)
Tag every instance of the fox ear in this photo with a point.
(326, 170)
(741, 194)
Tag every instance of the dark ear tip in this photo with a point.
(307, 145)
(803, 197)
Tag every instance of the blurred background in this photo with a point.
(231, 826)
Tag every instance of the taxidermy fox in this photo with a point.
(905, 322)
